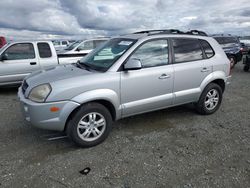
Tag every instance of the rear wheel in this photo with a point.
(210, 99)
(90, 125)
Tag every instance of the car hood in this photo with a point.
(230, 47)
(64, 52)
(55, 74)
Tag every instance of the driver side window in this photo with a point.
(20, 51)
(153, 53)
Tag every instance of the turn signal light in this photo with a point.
(54, 109)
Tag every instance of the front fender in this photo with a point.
(100, 94)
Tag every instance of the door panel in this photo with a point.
(187, 81)
(20, 61)
(190, 69)
(151, 87)
(144, 90)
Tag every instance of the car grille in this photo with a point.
(24, 86)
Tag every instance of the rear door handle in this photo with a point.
(205, 69)
(164, 76)
(32, 63)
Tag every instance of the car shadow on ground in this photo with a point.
(157, 120)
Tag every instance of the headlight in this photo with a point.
(40, 93)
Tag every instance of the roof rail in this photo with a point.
(160, 31)
(171, 31)
(196, 32)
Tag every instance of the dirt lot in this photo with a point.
(169, 148)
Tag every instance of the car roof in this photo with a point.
(31, 41)
(165, 33)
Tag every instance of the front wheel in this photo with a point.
(90, 125)
(210, 99)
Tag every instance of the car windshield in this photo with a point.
(226, 40)
(72, 46)
(103, 57)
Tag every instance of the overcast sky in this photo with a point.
(85, 18)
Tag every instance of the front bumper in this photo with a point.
(39, 114)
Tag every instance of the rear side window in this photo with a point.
(20, 51)
(186, 50)
(208, 50)
(44, 50)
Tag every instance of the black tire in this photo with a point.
(232, 61)
(246, 68)
(201, 106)
(247, 64)
(73, 130)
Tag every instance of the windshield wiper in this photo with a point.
(83, 66)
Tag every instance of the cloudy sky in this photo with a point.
(86, 18)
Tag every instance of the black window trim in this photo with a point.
(21, 43)
(49, 48)
(172, 48)
(121, 69)
(205, 55)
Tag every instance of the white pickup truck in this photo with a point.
(18, 59)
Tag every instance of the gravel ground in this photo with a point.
(170, 148)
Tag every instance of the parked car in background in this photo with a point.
(18, 59)
(60, 44)
(77, 50)
(231, 46)
(243, 48)
(246, 44)
(2, 41)
(128, 75)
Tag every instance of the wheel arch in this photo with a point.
(218, 77)
(109, 99)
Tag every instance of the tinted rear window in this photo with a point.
(187, 50)
(44, 50)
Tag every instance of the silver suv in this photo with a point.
(128, 75)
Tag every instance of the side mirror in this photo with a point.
(133, 64)
(3, 57)
(80, 48)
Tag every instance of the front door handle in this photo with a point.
(32, 63)
(164, 76)
(205, 69)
